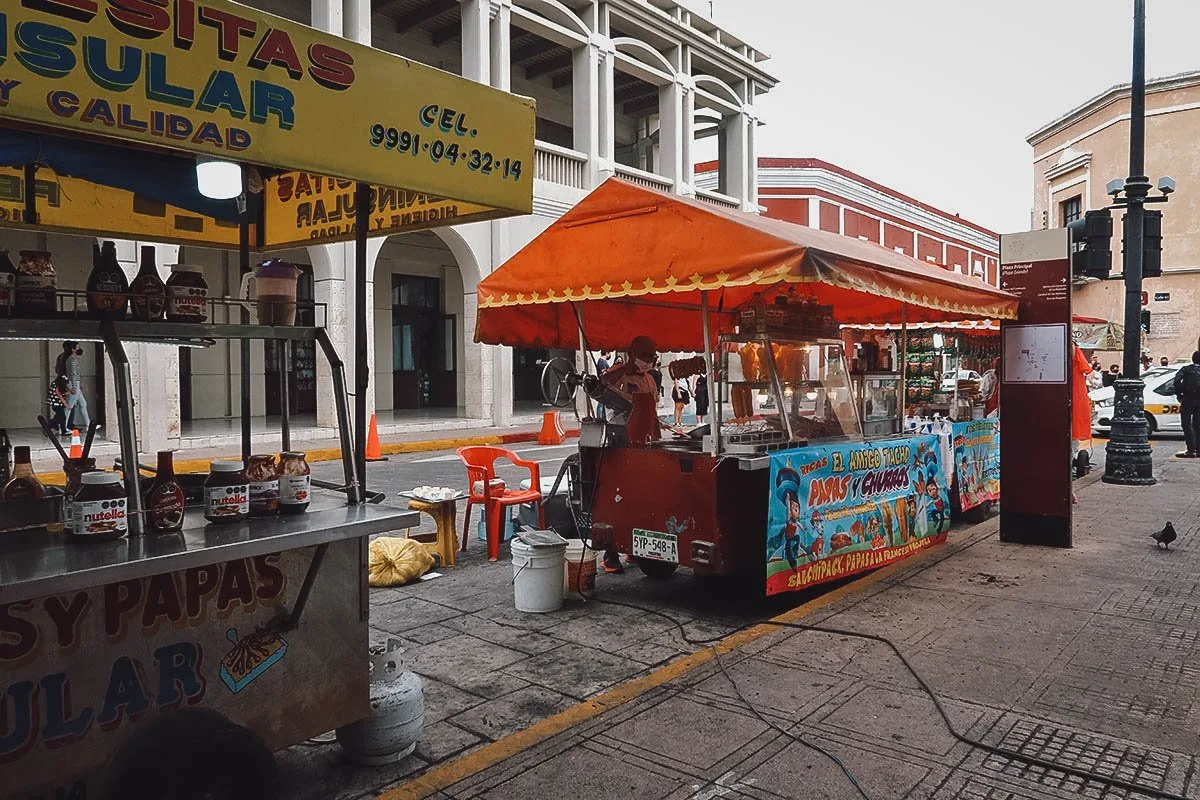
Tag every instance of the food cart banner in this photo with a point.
(83, 670)
(225, 80)
(77, 206)
(977, 461)
(840, 509)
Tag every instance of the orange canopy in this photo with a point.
(635, 261)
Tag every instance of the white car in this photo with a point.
(1162, 406)
(948, 381)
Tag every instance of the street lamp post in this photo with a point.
(1128, 456)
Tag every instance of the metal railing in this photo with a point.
(718, 199)
(643, 178)
(560, 165)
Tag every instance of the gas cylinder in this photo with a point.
(5, 457)
(397, 712)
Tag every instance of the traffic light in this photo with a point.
(1151, 245)
(1145, 322)
(1091, 244)
(1152, 260)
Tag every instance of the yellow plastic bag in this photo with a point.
(394, 560)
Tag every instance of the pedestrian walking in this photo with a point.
(701, 398)
(68, 363)
(56, 401)
(1187, 389)
(681, 395)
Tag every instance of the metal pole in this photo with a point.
(125, 426)
(31, 216)
(244, 264)
(337, 370)
(283, 350)
(1128, 455)
(903, 366)
(362, 216)
(714, 428)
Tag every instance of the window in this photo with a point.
(415, 291)
(1070, 210)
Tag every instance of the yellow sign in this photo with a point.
(78, 206)
(225, 80)
(302, 209)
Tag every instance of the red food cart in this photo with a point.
(780, 485)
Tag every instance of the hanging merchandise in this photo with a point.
(920, 378)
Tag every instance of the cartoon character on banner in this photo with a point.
(937, 506)
(816, 543)
(787, 491)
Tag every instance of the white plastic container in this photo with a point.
(537, 561)
(579, 569)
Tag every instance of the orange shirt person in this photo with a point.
(633, 380)
(1081, 404)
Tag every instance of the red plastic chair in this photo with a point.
(481, 469)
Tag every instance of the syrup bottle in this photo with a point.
(148, 293)
(24, 484)
(107, 286)
(165, 499)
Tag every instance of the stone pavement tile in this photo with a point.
(686, 731)
(588, 775)
(443, 700)
(772, 688)
(601, 629)
(902, 613)
(902, 719)
(994, 682)
(575, 670)
(799, 771)
(468, 599)
(433, 632)
(651, 654)
(502, 610)
(324, 773)
(1150, 766)
(522, 640)
(820, 651)
(513, 712)
(383, 596)
(441, 740)
(1000, 576)
(463, 656)
(411, 612)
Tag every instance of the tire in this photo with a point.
(1152, 423)
(191, 753)
(656, 570)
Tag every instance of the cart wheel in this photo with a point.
(658, 570)
(192, 753)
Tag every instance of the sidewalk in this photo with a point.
(1085, 657)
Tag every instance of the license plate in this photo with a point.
(655, 545)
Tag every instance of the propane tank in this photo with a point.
(397, 712)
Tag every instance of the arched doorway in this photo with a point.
(420, 352)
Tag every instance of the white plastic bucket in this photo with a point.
(537, 577)
(579, 569)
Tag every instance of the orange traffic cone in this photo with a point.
(76, 445)
(373, 451)
(552, 429)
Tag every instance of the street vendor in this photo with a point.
(633, 380)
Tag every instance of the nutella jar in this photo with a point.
(187, 295)
(295, 483)
(226, 493)
(264, 486)
(98, 510)
(75, 469)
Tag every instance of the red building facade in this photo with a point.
(808, 191)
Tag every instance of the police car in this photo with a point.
(1162, 406)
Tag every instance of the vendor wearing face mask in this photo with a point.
(633, 380)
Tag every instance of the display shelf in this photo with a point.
(177, 333)
(36, 563)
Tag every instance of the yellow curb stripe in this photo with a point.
(472, 763)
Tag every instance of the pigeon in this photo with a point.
(1165, 536)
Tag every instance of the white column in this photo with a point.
(585, 89)
(476, 40)
(687, 126)
(326, 15)
(606, 111)
(330, 289)
(356, 20)
(501, 44)
(735, 155)
(670, 131)
(750, 202)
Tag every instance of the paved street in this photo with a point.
(1084, 657)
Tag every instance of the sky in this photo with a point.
(934, 98)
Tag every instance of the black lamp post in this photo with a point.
(1128, 452)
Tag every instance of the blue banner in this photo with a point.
(977, 461)
(840, 509)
